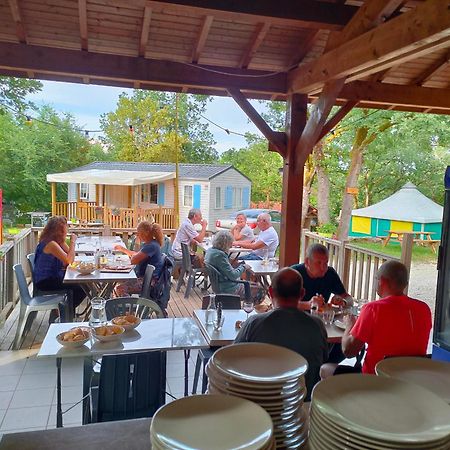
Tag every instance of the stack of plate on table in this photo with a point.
(429, 373)
(269, 375)
(211, 422)
(370, 412)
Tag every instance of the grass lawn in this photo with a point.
(420, 253)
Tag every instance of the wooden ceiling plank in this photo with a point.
(304, 48)
(201, 38)
(82, 13)
(57, 61)
(426, 25)
(257, 39)
(16, 13)
(432, 70)
(278, 140)
(337, 117)
(305, 14)
(143, 41)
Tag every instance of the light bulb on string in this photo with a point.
(29, 121)
(131, 130)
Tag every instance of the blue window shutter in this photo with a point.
(246, 197)
(228, 197)
(196, 195)
(161, 187)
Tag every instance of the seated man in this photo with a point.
(394, 325)
(320, 280)
(265, 243)
(187, 234)
(241, 231)
(289, 327)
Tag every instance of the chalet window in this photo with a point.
(218, 197)
(187, 196)
(237, 197)
(149, 193)
(84, 191)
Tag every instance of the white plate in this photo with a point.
(340, 324)
(206, 422)
(383, 409)
(430, 374)
(262, 363)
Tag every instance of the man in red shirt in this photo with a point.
(395, 325)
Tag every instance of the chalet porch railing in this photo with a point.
(356, 266)
(13, 252)
(88, 212)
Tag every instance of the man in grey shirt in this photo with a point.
(289, 327)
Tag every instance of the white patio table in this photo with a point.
(150, 335)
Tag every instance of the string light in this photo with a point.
(131, 130)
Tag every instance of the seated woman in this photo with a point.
(151, 238)
(217, 256)
(51, 258)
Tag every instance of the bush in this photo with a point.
(327, 228)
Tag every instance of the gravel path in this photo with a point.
(422, 283)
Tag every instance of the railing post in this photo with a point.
(341, 266)
(406, 255)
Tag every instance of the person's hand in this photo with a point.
(349, 321)
(204, 224)
(317, 300)
(118, 247)
(337, 300)
(73, 238)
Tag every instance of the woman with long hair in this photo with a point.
(51, 258)
(151, 237)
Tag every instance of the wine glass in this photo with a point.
(248, 306)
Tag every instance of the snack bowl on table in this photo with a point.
(76, 337)
(128, 321)
(108, 333)
(84, 268)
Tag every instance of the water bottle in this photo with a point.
(210, 313)
(97, 258)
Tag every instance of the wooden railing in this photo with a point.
(13, 252)
(115, 217)
(356, 266)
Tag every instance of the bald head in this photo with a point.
(392, 278)
(287, 286)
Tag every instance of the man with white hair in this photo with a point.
(265, 243)
(187, 234)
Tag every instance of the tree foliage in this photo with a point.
(153, 138)
(13, 92)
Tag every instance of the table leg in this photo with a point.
(87, 372)
(59, 418)
(187, 354)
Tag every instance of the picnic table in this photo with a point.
(419, 237)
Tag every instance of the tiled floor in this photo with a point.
(28, 389)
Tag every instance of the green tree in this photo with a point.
(260, 165)
(13, 92)
(152, 116)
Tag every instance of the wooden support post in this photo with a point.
(54, 199)
(406, 255)
(291, 209)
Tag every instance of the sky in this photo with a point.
(88, 102)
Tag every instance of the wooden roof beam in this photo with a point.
(304, 48)
(399, 39)
(257, 39)
(306, 14)
(431, 71)
(126, 69)
(143, 41)
(201, 38)
(16, 13)
(277, 139)
(82, 14)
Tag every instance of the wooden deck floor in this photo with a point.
(178, 307)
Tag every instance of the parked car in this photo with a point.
(252, 215)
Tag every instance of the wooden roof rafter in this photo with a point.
(16, 13)
(201, 38)
(82, 13)
(258, 37)
(145, 29)
(432, 70)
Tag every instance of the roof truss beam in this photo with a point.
(16, 13)
(425, 27)
(120, 70)
(435, 68)
(82, 14)
(307, 13)
(257, 39)
(201, 39)
(143, 41)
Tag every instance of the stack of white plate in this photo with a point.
(211, 422)
(369, 412)
(269, 375)
(430, 374)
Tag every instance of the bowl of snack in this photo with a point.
(128, 321)
(108, 333)
(84, 268)
(76, 337)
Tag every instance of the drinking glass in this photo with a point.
(328, 316)
(265, 259)
(98, 312)
(248, 306)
